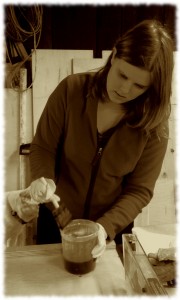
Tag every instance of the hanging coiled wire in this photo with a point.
(22, 23)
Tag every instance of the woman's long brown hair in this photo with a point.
(149, 46)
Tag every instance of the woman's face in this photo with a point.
(126, 82)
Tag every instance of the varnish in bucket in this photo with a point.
(79, 238)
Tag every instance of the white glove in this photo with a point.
(42, 190)
(27, 208)
(20, 203)
(101, 245)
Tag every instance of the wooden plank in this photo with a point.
(49, 67)
(106, 53)
(87, 65)
(175, 78)
(12, 137)
(23, 124)
(90, 64)
(162, 207)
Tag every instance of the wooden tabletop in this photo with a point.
(39, 270)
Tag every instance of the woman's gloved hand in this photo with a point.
(21, 204)
(42, 189)
(101, 245)
(26, 208)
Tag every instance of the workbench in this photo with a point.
(39, 270)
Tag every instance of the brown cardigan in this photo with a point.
(65, 145)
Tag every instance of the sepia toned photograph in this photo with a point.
(90, 126)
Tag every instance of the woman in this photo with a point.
(102, 137)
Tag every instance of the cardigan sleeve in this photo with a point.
(138, 188)
(48, 135)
